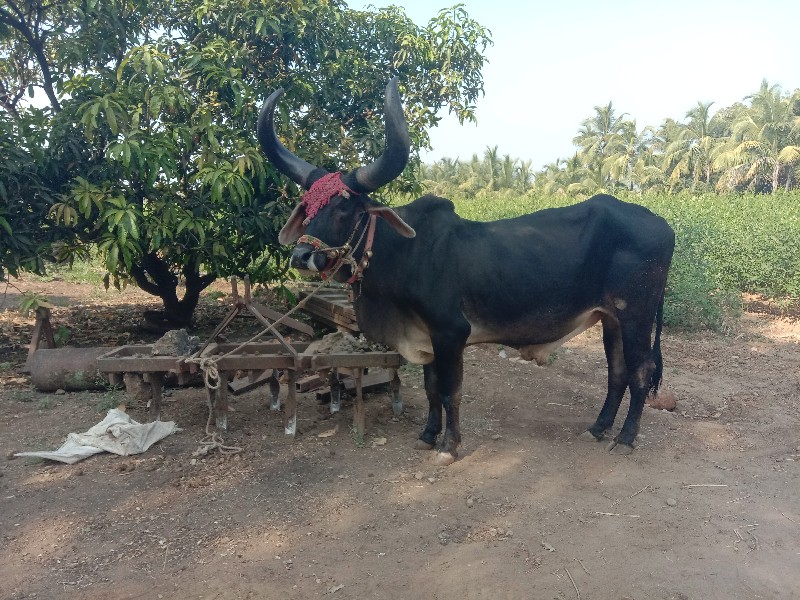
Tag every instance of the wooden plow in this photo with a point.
(258, 363)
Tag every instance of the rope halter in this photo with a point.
(317, 197)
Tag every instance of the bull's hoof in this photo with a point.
(442, 459)
(422, 445)
(588, 436)
(620, 449)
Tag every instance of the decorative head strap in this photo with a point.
(321, 192)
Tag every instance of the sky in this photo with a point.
(553, 62)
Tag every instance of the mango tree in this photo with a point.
(156, 104)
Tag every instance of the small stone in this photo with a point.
(431, 479)
(470, 502)
(496, 436)
(79, 472)
(418, 475)
(663, 400)
(672, 502)
(60, 392)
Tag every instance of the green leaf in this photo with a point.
(111, 119)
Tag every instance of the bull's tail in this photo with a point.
(658, 372)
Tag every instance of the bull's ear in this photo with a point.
(294, 227)
(393, 219)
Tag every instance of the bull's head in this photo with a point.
(336, 207)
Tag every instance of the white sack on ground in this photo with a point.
(117, 433)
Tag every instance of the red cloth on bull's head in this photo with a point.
(321, 192)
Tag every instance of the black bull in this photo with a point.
(435, 282)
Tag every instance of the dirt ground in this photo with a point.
(707, 507)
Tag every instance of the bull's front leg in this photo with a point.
(443, 379)
(433, 426)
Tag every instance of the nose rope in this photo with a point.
(343, 255)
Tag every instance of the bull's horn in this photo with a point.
(391, 163)
(294, 167)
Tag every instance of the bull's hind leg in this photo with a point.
(617, 380)
(638, 358)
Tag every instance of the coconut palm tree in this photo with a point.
(507, 172)
(598, 138)
(565, 177)
(690, 156)
(524, 175)
(491, 166)
(765, 144)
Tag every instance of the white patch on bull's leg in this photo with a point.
(644, 373)
(442, 459)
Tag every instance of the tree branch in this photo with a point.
(140, 276)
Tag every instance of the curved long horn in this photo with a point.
(294, 167)
(395, 156)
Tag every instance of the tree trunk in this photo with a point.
(775, 176)
(154, 276)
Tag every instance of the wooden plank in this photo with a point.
(369, 380)
(267, 312)
(338, 305)
(259, 348)
(136, 358)
(247, 362)
(245, 384)
(156, 381)
(336, 322)
(42, 336)
(351, 360)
